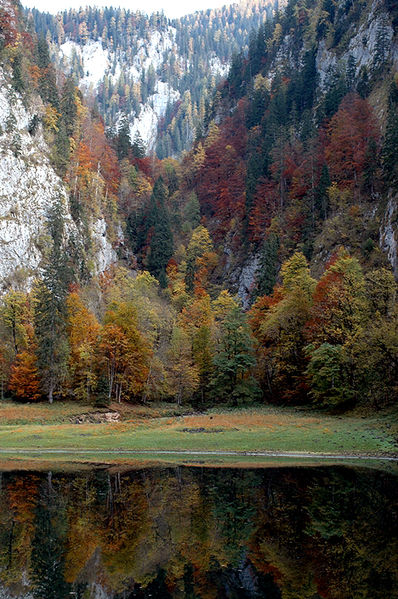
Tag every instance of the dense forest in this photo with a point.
(194, 50)
(284, 169)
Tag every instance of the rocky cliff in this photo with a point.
(29, 186)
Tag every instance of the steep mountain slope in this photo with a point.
(29, 184)
(29, 188)
(160, 73)
(298, 151)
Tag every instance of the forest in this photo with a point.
(279, 170)
(186, 64)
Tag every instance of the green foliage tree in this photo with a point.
(199, 245)
(234, 360)
(328, 372)
(47, 81)
(192, 212)
(183, 375)
(282, 331)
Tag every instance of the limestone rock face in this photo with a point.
(389, 233)
(29, 186)
(98, 63)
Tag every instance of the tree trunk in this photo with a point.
(50, 393)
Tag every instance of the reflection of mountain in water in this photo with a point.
(200, 533)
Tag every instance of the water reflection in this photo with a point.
(291, 533)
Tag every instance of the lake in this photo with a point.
(200, 532)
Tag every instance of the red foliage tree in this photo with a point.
(350, 131)
(264, 208)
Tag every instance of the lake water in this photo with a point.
(209, 533)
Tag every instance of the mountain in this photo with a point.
(298, 147)
(259, 267)
(30, 186)
(159, 72)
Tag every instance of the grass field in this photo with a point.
(165, 428)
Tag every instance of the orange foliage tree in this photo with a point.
(24, 382)
(124, 352)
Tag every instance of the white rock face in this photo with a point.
(105, 255)
(98, 63)
(389, 233)
(29, 186)
(363, 49)
(146, 124)
(247, 279)
(362, 46)
(150, 52)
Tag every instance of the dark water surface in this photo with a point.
(209, 533)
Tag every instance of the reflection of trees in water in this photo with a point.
(48, 551)
(201, 533)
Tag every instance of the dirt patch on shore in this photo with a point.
(96, 418)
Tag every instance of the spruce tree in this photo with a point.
(161, 243)
(192, 211)
(17, 79)
(61, 151)
(50, 310)
(390, 155)
(138, 147)
(68, 105)
(123, 146)
(268, 266)
(321, 193)
(47, 80)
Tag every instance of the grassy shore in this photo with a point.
(42, 428)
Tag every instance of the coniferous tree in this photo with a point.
(24, 382)
(138, 147)
(47, 81)
(68, 105)
(61, 154)
(161, 237)
(370, 166)
(17, 79)
(192, 212)
(123, 145)
(390, 155)
(321, 193)
(50, 311)
(268, 266)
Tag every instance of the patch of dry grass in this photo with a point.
(67, 411)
